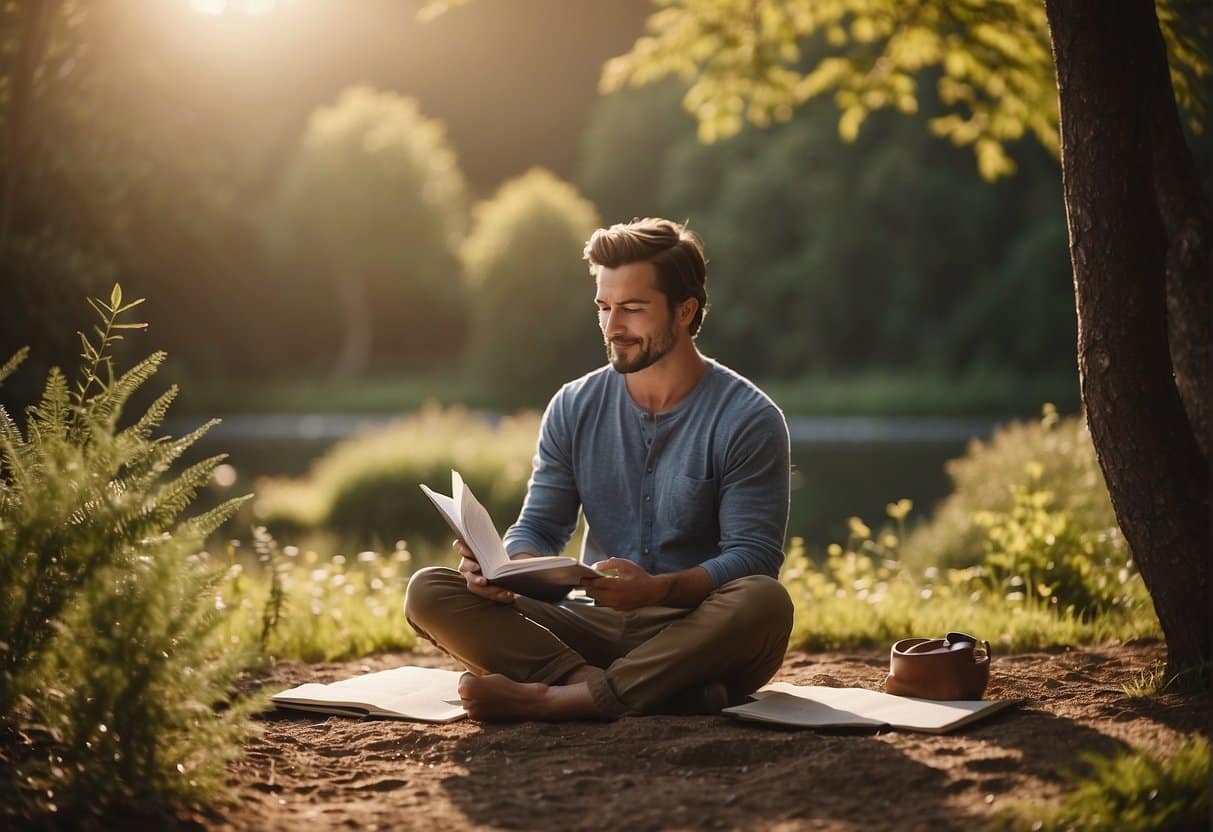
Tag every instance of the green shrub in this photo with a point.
(115, 686)
(532, 299)
(365, 489)
(1038, 550)
(1133, 791)
(1053, 456)
(368, 221)
(864, 594)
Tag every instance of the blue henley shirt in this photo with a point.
(705, 484)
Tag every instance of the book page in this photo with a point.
(536, 563)
(447, 507)
(927, 715)
(481, 535)
(422, 693)
(787, 709)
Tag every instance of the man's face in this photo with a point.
(638, 326)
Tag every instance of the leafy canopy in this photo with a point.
(990, 61)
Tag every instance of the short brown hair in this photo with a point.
(675, 251)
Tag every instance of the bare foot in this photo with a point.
(497, 698)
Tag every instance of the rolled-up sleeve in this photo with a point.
(549, 513)
(754, 493)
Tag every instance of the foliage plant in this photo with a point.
(972, 280)
(115, 679)
(1131, 791)
(1039, 470)
(990, 63)
(527, 285)
(369, 216)
(365, 488)
(865, 594)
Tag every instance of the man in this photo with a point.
(681, 467)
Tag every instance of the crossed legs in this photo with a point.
(535, 660)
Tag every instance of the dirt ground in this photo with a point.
(312, 772)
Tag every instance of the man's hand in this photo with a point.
(477, 583)
(631, 589)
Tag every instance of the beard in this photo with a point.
(641, 354)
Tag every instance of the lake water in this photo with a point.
(842, 467)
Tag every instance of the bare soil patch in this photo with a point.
(310, 772)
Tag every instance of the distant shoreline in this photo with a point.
(803, 430)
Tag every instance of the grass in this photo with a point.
(868, 598)
(350, 604)
(329, 607)
(1132, 791)
(1155, 681)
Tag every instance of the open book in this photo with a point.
(547, 578)
(425, 694)
(809, 706)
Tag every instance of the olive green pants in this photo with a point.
(653, 660)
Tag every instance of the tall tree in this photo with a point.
(375, 200)
(1140, 235)
(526, 244)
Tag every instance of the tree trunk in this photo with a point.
(1131, 215)
(355, 355)
(36, 22)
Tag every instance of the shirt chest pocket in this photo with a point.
(688, 512)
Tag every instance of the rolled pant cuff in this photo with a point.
(605, 699)
(556, 669)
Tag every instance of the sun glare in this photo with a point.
(221, 6)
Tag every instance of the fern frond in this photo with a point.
(104, 407)
(10, 366)
(53, 413)
(134, 444)
(176, 495)
(146, 464)
(201, 526)
(14, 464)
(9, 431)
(152, 417)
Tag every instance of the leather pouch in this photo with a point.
(956, 666)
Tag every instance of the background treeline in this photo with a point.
(342, 229)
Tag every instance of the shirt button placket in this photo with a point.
(646, 506)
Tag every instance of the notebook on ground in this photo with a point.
(425, 694)
(811, 706)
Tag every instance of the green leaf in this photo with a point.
(116, 296)
(130, 305)
(152, 418)
(108, 404)
(89, 352)
(205, 523)
(11, 365)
